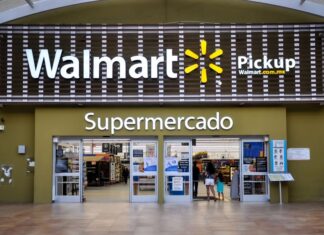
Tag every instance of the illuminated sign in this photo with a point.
(160, 64)
(115, 124)
(203, 72)
(138, 69)
(71, 68)
(264, 66)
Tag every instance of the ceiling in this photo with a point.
(14, 9)
(315, 7)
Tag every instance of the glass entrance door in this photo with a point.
(143, 171)
(177, 170)
(67, 174)
(254, 165)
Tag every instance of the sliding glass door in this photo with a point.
(143, 171)
(254, 165)
(177, 170)
(67, 166)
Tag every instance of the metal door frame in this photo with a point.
(55, 197)
(253, 198)
(141, 198)
(178, 198)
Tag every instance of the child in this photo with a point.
(220, 186)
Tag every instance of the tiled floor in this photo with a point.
(109, 193)
(202, 217)
(120, 193)
(202, 192)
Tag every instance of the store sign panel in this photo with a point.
(177, 183)
(298, 154)
(171, 163)
(174, 63)
(278, 156)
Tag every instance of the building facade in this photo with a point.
(162, 76)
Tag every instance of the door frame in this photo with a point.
(254, 198)
(141, 198)
(78, 198)
(177, 198)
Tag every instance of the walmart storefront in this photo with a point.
(161, 88)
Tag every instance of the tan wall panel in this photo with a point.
(306, 130)
(19, 129)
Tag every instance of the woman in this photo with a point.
(220, 186)
(210, 179)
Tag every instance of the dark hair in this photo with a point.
(220, 177)
(210, 169)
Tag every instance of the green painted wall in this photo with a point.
(19, 129)
(70, 122)
(306, 130)
(168, 11)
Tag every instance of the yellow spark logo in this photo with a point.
(193, 55)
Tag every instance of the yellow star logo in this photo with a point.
(193, 55)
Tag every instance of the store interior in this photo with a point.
(107, 164)
(224, 154)
(106, 170)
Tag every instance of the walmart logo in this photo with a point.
(203, 50)
(136, 66)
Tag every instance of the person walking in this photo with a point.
(210, 179)
(220, 186)
(195, 179)
(125, 174)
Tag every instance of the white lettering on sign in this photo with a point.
(265, 66)
(114, 124)
(43, 58)
(70, 67)
(266, 63)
